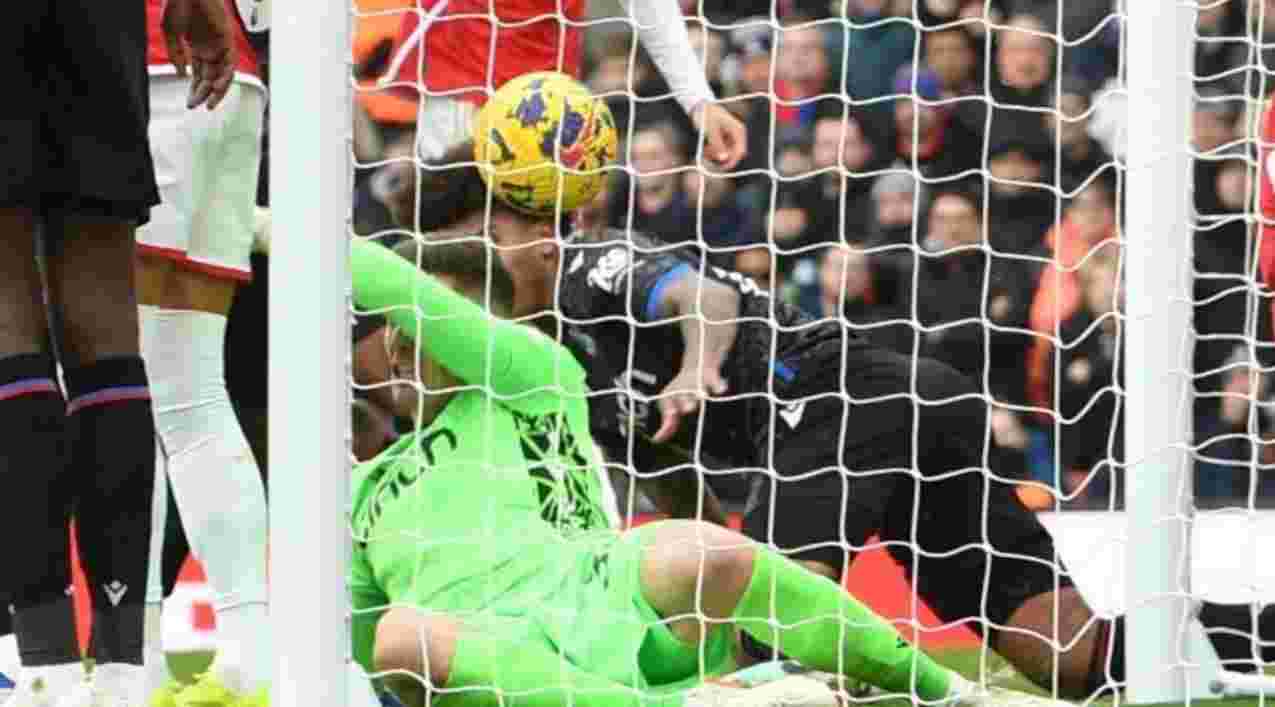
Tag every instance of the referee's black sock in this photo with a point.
(33, 469)
(113, 458)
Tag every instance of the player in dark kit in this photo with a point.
(861, 441)
(73, 142)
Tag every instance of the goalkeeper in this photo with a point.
(854, 452)
(487, 522)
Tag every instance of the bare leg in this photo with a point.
(1029, 646)
(112, 455)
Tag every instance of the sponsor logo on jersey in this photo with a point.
(611, 269)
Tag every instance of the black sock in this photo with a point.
(34, 470)
(1231, 630)
(113, 459)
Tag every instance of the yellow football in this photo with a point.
(543, 143)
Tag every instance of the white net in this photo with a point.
(945, 181)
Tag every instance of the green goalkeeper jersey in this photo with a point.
(484, 509)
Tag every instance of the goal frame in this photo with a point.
(309, 336)
(311, 186)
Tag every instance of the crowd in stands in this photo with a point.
(945, 177)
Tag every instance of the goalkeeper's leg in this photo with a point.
(695, 572)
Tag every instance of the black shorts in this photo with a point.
(856, 472)
(73, 124)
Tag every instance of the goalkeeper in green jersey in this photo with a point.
(483, 566)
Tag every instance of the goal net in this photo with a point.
(1058, 201)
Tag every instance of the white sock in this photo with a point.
(211, 473)
(59, 680)
(121, 680)
(156, 662)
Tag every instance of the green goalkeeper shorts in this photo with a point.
(601, 622)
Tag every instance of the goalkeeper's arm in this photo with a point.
(472, 344)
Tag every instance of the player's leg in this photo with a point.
(195, 251)
(1036, 617)
(836, 466)
(467, 664)
(695, 572)
(105, 181)
(33, 466)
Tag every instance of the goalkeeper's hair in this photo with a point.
(467, 256)
(452, 188)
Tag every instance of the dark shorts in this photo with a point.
(914, 474)
(73, 122)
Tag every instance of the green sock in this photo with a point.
(825, 628)
(533, 675)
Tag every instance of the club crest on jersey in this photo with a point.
(610, 268)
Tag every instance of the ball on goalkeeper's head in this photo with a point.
(543, 142)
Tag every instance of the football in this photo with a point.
(543, 143)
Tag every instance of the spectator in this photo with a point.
(1239, 414)
(616, 68)
(1068, 127)
(927, 135)
(710, 47)
(834, 202)
(875, 43)
(1090, 435)
(847, 287)
(802, 72)
(1213, 121)
(958, 281)
(954, 56)
(1024, 65)
(652, 200)
(757, 97)
(710, 206)
(1088, 229)
(1022, 209)
(894, 208)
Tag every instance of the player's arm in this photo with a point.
(662, 30)
(707, 312)
(460, 335)
(368, 603)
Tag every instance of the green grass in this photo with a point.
(967, 662)
(185, 666)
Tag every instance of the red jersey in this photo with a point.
(459, 43)
(249, 64)
(1266, 169)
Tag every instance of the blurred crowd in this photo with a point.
(945, 177)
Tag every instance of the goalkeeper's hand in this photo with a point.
(199, 35)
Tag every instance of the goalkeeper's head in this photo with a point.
(450, 195)
(466, 263)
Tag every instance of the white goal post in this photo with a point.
(309, 436)
(1158, 50)
(310, 344)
